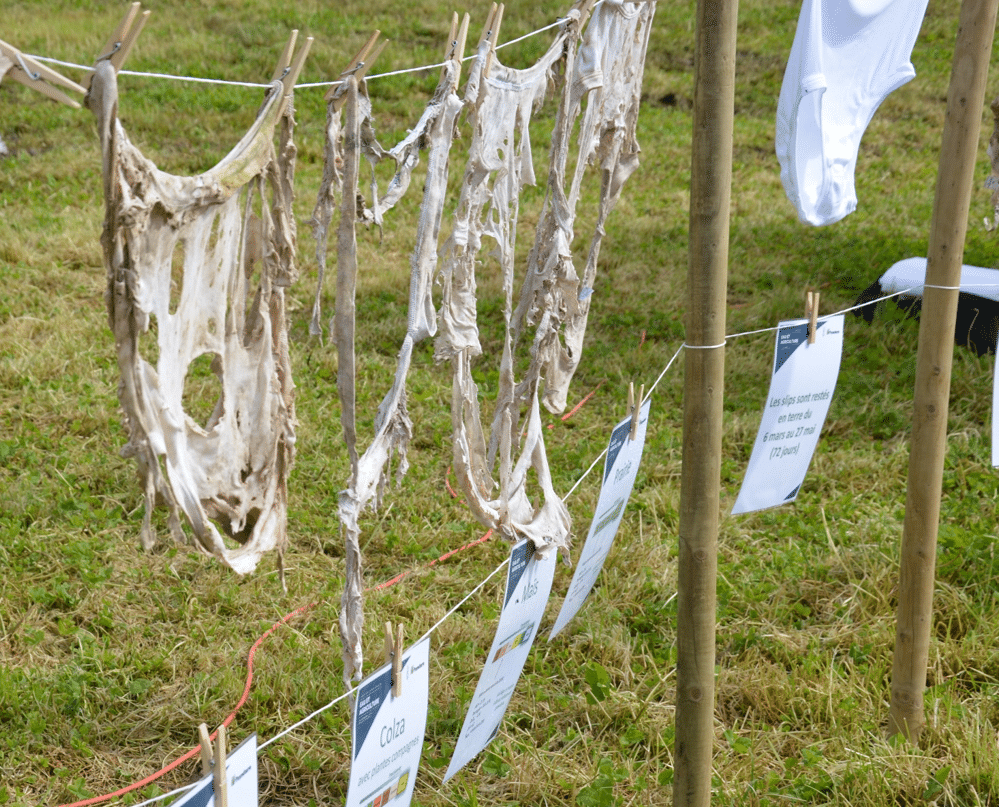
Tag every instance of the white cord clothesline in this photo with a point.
(304, 86)
(494, 572)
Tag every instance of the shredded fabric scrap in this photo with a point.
(500, 102)
(217, 230)
(607, 73)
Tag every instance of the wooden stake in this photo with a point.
(934, 358)
(700, 483)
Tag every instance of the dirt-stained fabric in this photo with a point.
(345, 320)
(393, 428)
(405, 155)
(196, 269)
(500, 105)
(607, 74)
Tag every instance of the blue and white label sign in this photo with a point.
(624, 456)
(801, 389)
(528, 585)
(387, 736)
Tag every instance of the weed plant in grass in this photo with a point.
(110, 657)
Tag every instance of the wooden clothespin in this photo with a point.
(634, 407)
(359, 67)
(206, 749)
(454, 50)
(122, 39)
(393, 656)
(220, 782)
(812, 314)
(288, 69)
(584, 7)
(213, 761)
(25, 70)
(491, 32)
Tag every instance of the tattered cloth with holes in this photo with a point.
(393, 429)
(229, 474)
(606, 73)
(500, 102)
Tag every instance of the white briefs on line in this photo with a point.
(847, 57)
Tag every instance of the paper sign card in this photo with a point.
(624, 455)
(995, 413)
(240, 770)
(388, 733)
(801, 389)
(528, 584)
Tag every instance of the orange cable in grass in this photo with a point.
(300, 610)
(249, 680)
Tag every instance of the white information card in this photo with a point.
(801, 389)
(995, 412)
(387, 735)
(528, 584)
(624, 456)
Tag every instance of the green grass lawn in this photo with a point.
(110, 657)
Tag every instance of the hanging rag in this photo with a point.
(226, 475)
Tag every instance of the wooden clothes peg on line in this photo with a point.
(491, 33)
(634, 407)
(288, 69)
(122, 40)
(812, 314)
(454, 50)
(23, 69)
(358, 67)
(393, 656)
(213, 761)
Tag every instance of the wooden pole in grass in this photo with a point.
(704, 366)
(933, 364)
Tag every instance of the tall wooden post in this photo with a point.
(933, 364)
(704, 363)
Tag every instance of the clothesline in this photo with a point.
(303, 86)
(495, 571)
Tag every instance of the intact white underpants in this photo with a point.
(847, 57)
